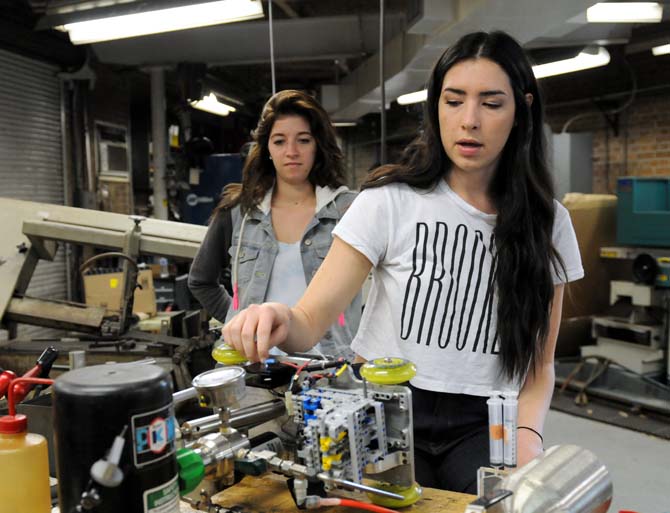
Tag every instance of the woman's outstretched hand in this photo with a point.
(258, 328)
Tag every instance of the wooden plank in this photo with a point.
(269, 494)
(42, 312)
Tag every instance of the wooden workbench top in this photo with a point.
(269, 494)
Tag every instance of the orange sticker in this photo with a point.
(496, 431)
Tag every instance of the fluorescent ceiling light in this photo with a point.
(661, 50)
(415, 97)
(163, 20)
(625, 12)
(344, 123)
(210, 104)
(590, 57)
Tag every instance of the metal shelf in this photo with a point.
(630, 252)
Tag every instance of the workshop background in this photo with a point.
(110, 126)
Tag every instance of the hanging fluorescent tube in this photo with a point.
(625, 12)
(210, 104)
(415, 97)
(344, 123)
(590, 57)
(661, 50)
(163, 20)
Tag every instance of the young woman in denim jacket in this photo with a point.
(291, 197)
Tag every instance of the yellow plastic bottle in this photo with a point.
(24, 468)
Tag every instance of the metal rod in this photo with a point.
(382, 85)
(67, 181)
(241, 418)
(272, 48)
(358, 486)
(91, 183)
(185, 395)
(244, 418)
(159, 142)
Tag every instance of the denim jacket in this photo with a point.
(256, 257)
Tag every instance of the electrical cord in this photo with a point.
(623, 107)
(349, 503)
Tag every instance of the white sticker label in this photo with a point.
(163, 498)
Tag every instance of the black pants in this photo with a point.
(450, 439)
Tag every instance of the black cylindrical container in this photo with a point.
(92, 406)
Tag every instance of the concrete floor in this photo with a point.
(638, 463)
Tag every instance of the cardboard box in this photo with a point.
(106, 290)
(594, 219)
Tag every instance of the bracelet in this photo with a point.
(533, 430)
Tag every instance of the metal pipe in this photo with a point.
(185, 395)
(67, 182)
(382, 85)
(91, 181)
(358, 486)
(159, 142)
(272, 48)
(245, 418)
(241, 418)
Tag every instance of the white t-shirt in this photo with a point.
(431, 299)
(287, 280)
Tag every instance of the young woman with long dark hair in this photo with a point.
(470, 254)
(280, 218)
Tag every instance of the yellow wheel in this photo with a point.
(410, 495)
(227, 355)
(388, 371)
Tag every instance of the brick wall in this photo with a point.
(635, 144)
(365, 158)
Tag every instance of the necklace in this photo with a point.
(290, 203)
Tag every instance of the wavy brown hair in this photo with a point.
(259, 173)
(521, 190)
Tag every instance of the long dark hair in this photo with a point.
(521, 190)
(259, 173)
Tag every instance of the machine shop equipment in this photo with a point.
(117, 438)
(635, 334)
(120, 448)
(30, 232)
(348, 429)
(630, 363)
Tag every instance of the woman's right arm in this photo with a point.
(258, 328)
(203, 278)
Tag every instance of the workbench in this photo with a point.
(269, 494)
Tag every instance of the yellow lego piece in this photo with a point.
(325, 443)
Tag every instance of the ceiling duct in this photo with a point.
(411, 55)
